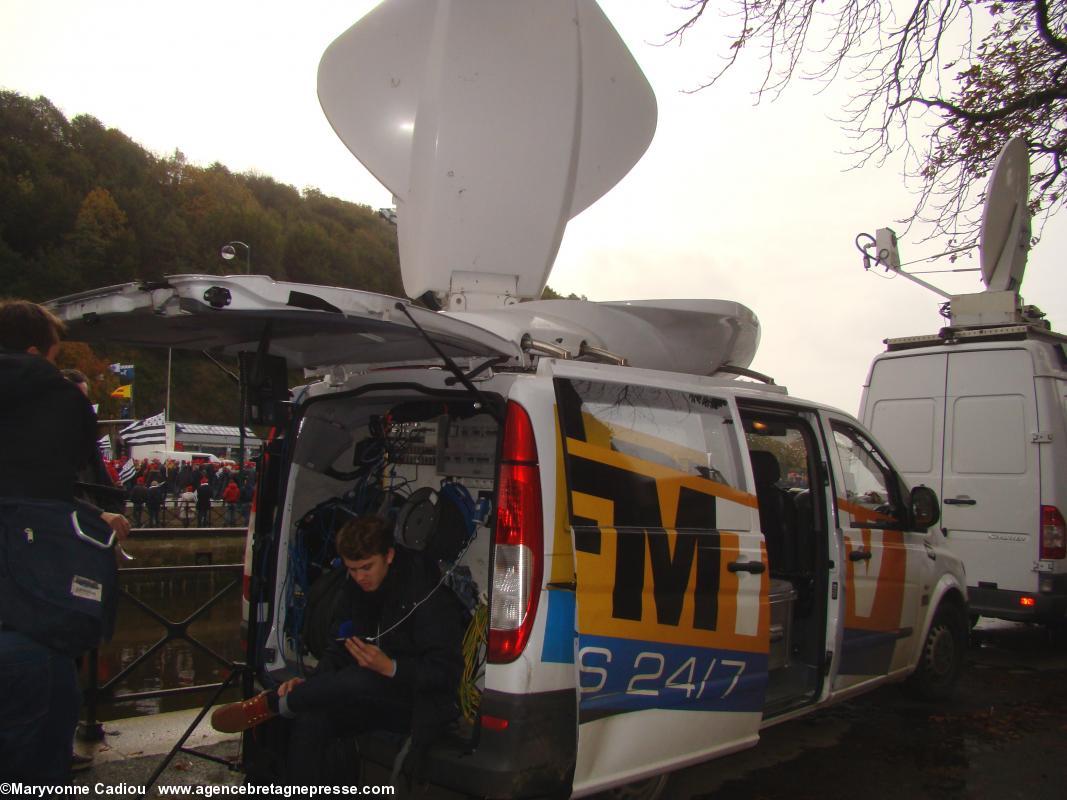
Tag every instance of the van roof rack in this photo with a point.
(955, 335)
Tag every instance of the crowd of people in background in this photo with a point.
(188, 489)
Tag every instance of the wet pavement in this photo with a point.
(1003, 736)
(135, 748)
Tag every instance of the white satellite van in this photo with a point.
(981, 419)
(978, 412)
(659, 559)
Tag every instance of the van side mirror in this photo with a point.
(925, 509)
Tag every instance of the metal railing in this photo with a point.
(174, 514)
(97, 695)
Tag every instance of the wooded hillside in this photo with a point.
(83, 206)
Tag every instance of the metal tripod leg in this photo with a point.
(238, 670)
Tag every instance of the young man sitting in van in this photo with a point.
(395, 662)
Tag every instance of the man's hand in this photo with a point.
(370, 656)
(118, 523)
(288, 686)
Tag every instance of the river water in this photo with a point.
(175, 596)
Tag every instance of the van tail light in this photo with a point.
(1053, 534)
(494, 723)
(518, 541)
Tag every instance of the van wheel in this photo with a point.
(648, 789)
(943, 655)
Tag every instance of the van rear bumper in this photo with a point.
(1004, 604)
(533, 756)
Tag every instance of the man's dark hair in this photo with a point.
(24, 325)
(364, 537)
(75, 376)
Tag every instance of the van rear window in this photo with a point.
(621, 439)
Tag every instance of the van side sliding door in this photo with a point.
(671, 583)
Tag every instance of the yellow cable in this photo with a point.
(470, 696)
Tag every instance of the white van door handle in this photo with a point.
(963, 500)
(859, 555)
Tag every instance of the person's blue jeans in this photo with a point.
(39, 706)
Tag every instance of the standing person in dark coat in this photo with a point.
(203, 504)
(98, 485)
(154, 501)
(222, 480)
(138, 496)
(248, 490)
(395, 663)
(185, 476)
(48, 430)
(154, 473)
(169, 483)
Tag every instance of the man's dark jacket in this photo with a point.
(139, 494)
(204, 494)
(47, 427)
(48, 430)
(427, 646)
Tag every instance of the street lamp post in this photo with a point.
(228, 253)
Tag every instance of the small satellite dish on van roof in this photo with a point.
(1004, 242)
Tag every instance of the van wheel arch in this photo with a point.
(944, 651)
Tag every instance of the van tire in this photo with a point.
(943, 654)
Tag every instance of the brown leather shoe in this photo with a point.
(237, 717)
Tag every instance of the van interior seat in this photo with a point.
(777, 514)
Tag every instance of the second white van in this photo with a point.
(979, 414)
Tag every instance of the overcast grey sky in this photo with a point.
(733, 200)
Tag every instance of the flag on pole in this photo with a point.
(123, 370)
(123, 392)
(152, 430)
(129, 469)
(104, 443)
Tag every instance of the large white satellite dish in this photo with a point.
(493, 123)
(1005, 237)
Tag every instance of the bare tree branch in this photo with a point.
(1031, 101)
(1053, 39)
(932, 85)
